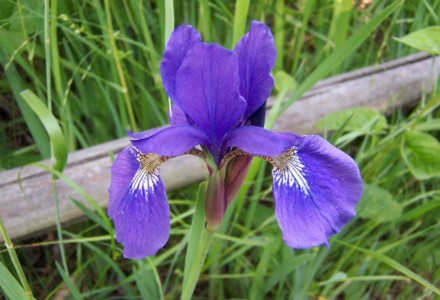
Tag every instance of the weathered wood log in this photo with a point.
(399, 82)
(382, 87)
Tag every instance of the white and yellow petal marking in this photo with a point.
(289, 171)
(147, 176)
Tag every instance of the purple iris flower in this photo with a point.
(219, 99)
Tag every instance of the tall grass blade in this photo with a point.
(7, 281)
(57, 140)
(395, 265)
(299, 40)
(240, 18)
(47, 54)
(70, 284)
(169, 19)
(257, 288)
(17, 86)
(117, 60)
(10, 286)
(279, 34)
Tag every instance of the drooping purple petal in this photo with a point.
(123, 170)
(181, 40)
(138, 206)
(258, 141)
(256, 55)
(169, 141)
(316, 189)
(207, 90)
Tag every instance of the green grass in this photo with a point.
(104, 78)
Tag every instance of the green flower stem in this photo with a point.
(199, 241)
(15, 261)
(196, 267)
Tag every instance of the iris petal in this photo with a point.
(181, 40)
(316, 188)
(258, 118)
(169, 141)
(138, 205)
(256, 55)
(177, 116)
(258, 141)
(207, 90)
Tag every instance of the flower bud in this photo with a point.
(237, 170)
(215, 201)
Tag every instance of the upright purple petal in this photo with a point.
(316, 188)
(256, 55)
(258, 118)
(207, 89)
(138, 206)
(177, 116)
(181, 40)
(169, 141)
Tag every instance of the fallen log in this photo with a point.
(32, 210)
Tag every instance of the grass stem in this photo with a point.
(121, 76)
